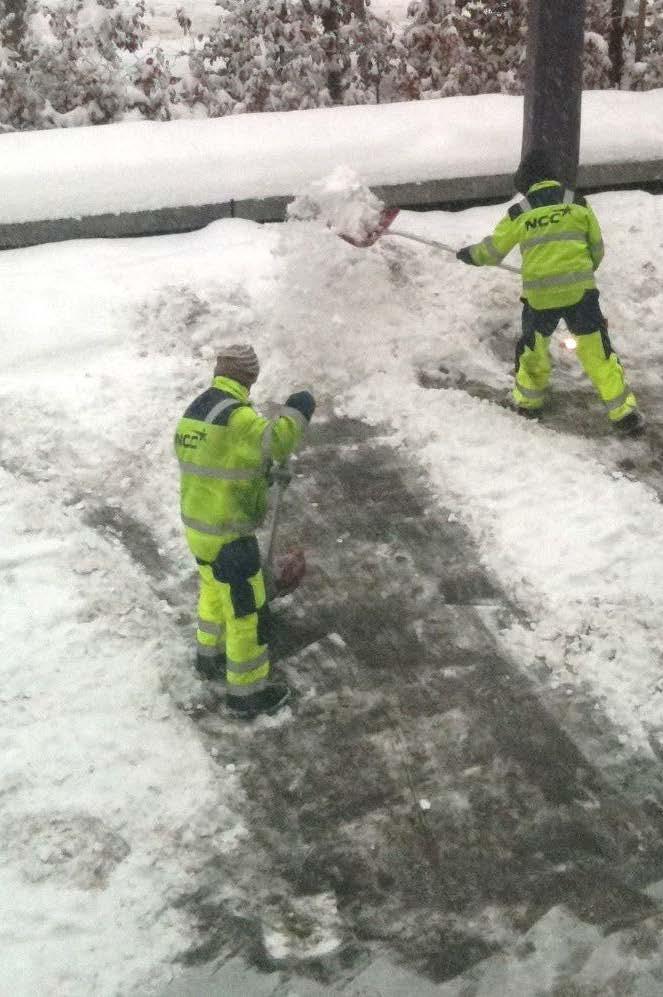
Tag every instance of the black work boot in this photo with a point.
(631, 425)
(529, 413)
(212, 667)
(268, 701)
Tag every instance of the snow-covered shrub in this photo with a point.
(154, 89)
(624, 44)
(279, 55)
(262, 55)
(83, 62)
(643, 58)
(432, 43)
(67, 67)
(478, 46)
(17, 103)
(494, 34)
(597, 65)
(379, 52)
(466, 46)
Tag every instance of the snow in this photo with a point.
(111, 804)
(105, 792)
(391, 10)
(161, 15)
(143, 165)
(342, 202)
(322, 923)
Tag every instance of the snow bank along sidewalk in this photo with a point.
(457, 148)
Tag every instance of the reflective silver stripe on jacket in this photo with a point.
(559, 281)
(223, 473)
(569, 196)
(220, 407)
(596, 247)
(532, 393)
(268, 434)
(294, 413)
(539, 240)
(491, 249)
(616, 402)
(244, 529)
(213, 629)
(267, 442)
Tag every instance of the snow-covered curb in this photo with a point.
(144, 166)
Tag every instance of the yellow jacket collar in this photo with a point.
(541, 184)
(231, 387)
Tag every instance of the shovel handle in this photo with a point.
(441, 245)
(272, 527)
(280, 482)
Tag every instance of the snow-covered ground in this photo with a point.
(111, 804)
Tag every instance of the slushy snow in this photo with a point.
(111, 804)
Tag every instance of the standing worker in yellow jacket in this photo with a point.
(225, 451)
(561, 246)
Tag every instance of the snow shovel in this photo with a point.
(284, 572)
(383, 227)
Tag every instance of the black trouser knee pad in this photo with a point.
(234, 565)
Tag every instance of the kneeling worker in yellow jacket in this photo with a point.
(561, 246)
(225, 451)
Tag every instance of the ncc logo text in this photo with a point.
(545, 220)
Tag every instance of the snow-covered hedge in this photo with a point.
(88, 61)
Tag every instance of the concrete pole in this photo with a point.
(553, 94)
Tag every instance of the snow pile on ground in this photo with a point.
(111, 807)
(109, 803)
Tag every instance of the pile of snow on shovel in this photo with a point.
(341, 202)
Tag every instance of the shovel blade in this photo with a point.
(288, 571)
(387, 216)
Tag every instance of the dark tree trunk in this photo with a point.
(15, 30)
(331, 22)
(640, 31)
(553, 92)
(616, 41)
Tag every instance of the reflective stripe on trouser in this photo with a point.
(247, 656)
(533, 373)
(604, 370)
(210, 634)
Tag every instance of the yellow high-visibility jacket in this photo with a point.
(560, 242)
(225, 450)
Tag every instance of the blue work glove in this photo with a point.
(304, 402)
(465, 256)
